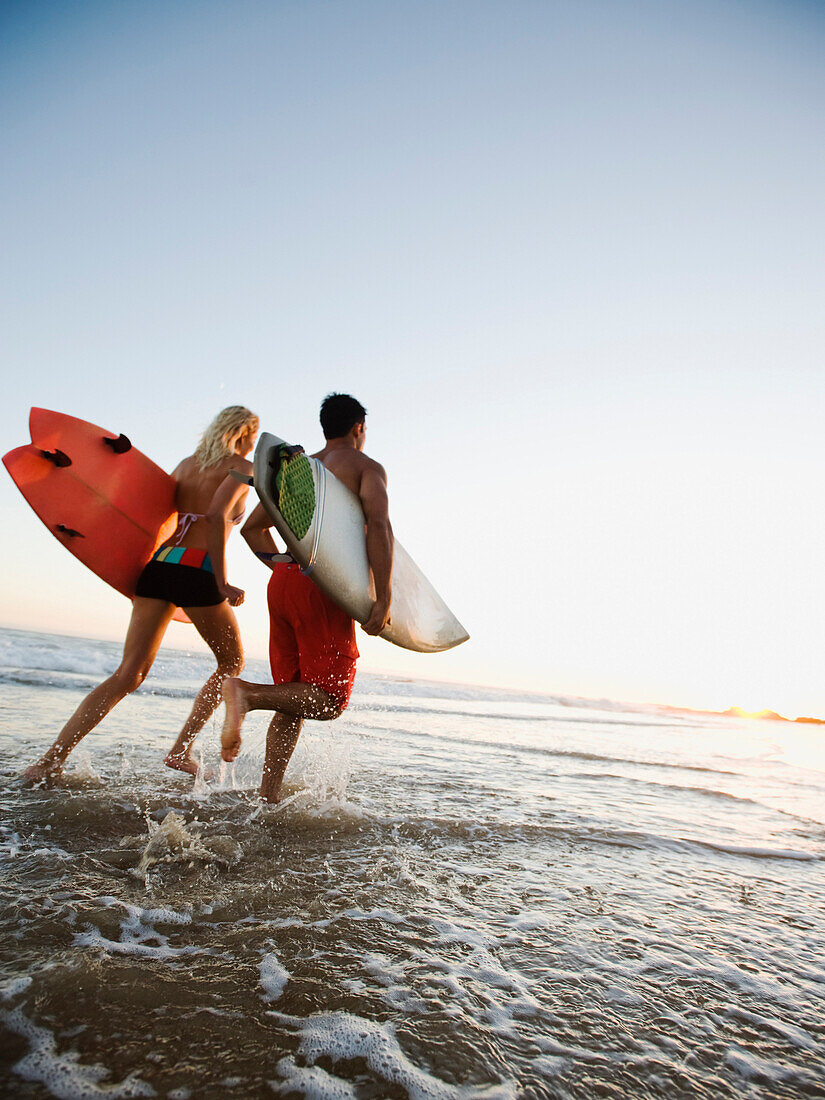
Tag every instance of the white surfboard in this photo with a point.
(323, 529)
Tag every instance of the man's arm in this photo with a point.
(223, 505)
(258, 535)
(374, 501)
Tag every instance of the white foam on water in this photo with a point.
(548, 1066)
(392, 976)
(312, 1082)
(139, 936)
(529, 920)
(13, 845)
(763, 1070)
(567, 1052)
(793, 1035)
(450, 932)
(341, 1036)
(273, 977)
(385, 915)
(138, 917)
(486, 989)
(63, 1074)
(92, 937)
(14, 986)
(721, 972)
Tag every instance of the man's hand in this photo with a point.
(233, 596)
(378, 618)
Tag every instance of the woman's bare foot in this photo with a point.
(236, 708)
(185, 762)
(44, 771)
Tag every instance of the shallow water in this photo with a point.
(466, 893)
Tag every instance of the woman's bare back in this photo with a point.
(194, 491)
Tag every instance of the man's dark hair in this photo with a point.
(339, 413)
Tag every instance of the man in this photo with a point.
(312, 648)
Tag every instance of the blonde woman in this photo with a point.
(188, 571)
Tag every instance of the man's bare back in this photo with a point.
(350, 465)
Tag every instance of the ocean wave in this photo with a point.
(702, 792)
(540, 750)
(58, 655)
(535, 833)
(29, 651)
(594, 719)
(45, 678)
(63, 679)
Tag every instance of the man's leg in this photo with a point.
(290, 700)
(281, 739)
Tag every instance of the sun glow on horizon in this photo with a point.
(740, 712)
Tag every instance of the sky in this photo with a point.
(568, 255)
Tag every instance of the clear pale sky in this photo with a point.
(568, 254)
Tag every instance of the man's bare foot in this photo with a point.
(44, 771)
(185, 762)
(235, 700)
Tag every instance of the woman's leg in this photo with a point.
(219, 629)
(147, 626)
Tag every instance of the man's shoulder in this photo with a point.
(374, 467)
(364, 466)
(348, 459)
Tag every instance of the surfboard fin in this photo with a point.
(120, 445)
(59, 458)
(238, 476)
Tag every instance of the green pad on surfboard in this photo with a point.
(296, 493)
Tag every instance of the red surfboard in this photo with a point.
(107, 503)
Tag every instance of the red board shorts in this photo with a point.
(311, 640)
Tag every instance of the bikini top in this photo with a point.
(186, 519)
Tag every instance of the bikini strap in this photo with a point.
(185, 521)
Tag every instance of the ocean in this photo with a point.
(467, 893)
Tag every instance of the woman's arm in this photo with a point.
(258, 535)
(223, 505)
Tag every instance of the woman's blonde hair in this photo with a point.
(219, 439)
